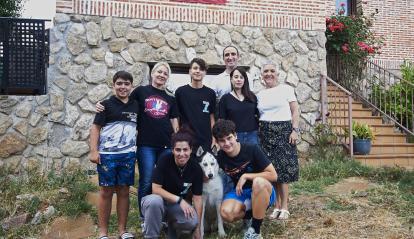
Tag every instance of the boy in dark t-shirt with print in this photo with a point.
(251, 172)
(113, 145)
(197, 104)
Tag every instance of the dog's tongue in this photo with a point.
(205, 179)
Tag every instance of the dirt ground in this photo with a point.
(343, 211)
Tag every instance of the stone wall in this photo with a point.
(53, 130)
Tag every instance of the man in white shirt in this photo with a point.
(221, 83)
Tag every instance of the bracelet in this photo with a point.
(179, 200)
(297, 130)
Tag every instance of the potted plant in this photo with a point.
(362, 137)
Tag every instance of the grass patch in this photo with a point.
(39, 191)
(339, 205)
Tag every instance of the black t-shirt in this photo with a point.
(195, 106)
(119, 123)
(250, 159)
(242, 113)
(156, 110)
(167, 174)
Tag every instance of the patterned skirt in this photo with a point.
(274, 138)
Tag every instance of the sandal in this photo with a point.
(274, 214)
(284, 215)
(104, 237)
(126, 235)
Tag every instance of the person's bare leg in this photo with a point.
(284, 195)
(232, 210)
(278, 201)
(261, 191)
(104, 209)
(122, 207)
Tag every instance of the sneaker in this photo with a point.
(247, 223)
(251, 234)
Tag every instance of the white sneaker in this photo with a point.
(251, 234)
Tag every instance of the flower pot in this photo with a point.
(362, 146)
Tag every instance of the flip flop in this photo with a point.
(274, 214)
(126, 235)
(103, 237)
(284, 215)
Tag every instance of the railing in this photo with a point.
(390, 96)
(337, 101)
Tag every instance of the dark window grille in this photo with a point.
(24, 56)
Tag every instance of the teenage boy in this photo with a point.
(112, 142)
(251, 172)
(197, 104)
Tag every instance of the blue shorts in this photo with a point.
(116, 169)
(247, 195)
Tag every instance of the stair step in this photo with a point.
(389, 138)
(343, 105)
(377, 128)
(336, 93)
(355, 112)
(361, 119)
(390, 148)
(401, 160)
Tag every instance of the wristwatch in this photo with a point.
(297, 130)
(179, 200)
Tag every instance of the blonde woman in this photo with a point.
(157, 120)
(278, 134)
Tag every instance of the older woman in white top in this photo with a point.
(278, 133)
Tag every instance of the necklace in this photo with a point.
(181, 170)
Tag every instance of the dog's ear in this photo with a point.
(214, 150)
(200, 151)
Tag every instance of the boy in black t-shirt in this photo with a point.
(113, 145)
(251, 172)
(175, 178)
(197, 104)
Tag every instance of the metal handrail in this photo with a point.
(378, 88)
(339, 108)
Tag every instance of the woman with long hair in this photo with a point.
(240, 106)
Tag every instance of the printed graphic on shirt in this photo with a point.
(187, 187)
(118, 136)
(238, 171)
(206, 104)
(156, 107)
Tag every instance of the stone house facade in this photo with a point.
(92, 39)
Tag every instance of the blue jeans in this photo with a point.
(147, 159)
(248, 137)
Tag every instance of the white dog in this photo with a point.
(212, 192)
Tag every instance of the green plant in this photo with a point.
(349, 43)
(361, 131)
(397, 99)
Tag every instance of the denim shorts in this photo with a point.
(116, 169)
(247, 195)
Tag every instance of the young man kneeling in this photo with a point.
(251, 172)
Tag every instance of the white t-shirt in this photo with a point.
(221, 84)
(273, 103)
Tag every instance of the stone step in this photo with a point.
(390, 148)
(387, 160)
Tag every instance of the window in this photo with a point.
(349, 6)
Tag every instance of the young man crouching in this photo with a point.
(251, 172)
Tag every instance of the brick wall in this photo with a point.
(395, 22)
(298, 14)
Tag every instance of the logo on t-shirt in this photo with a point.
(187, 187)
(156, 107)
(206, 104)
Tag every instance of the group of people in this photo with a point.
(256, 134)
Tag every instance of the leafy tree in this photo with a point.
(11, 8)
